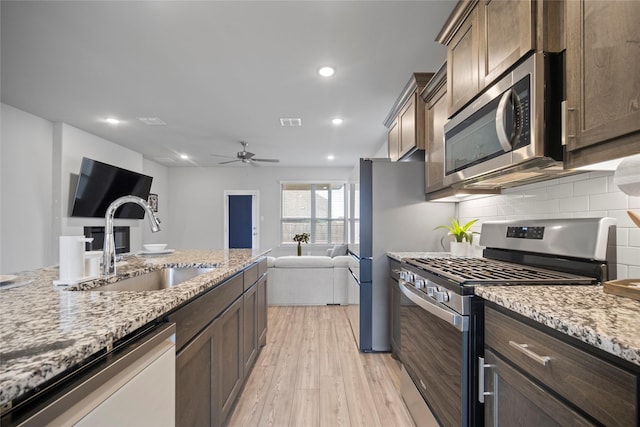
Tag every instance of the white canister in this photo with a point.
(72, 257)
(92, 263)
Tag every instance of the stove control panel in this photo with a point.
(432, 290)
(525, 232)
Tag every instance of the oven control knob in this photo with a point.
(419, 283)
(431, 291)
(442, 296)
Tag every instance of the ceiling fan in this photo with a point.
(245, 156)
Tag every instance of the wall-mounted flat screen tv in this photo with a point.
(99, 184)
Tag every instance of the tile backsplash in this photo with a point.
(590, 194)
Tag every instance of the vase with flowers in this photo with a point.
(301, 238)
(463, 237)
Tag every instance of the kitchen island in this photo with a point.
(46, 330)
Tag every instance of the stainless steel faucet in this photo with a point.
(108, 257)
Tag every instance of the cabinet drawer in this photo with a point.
(262, 267)
(604, 391)
(193, 317)
(250, 276)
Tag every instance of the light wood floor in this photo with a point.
(310, 373)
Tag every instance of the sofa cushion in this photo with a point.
(338, 250)
(303, 262)
(342, 261)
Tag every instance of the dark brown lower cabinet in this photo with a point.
(538, 377)
(262, 311)
(231, 374)
(250, 336)
(218, 336)
(515, 400)
(197, 365)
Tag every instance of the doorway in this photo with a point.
(241, 219)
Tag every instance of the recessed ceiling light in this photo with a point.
(184, 157)
(337, 121)
(326, 71)
(112, 120)
(330, 157)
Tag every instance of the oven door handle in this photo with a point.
(461, 323)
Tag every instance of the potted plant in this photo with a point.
(462, 236)
(301, 238)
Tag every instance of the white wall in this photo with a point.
(159, 186)
(586, 195)
(38, 159)
(197, 202)
(25, 191)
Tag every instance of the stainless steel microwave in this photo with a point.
(511, 133)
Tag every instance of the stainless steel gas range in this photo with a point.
(441, 320)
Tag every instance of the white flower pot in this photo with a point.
(460, 249)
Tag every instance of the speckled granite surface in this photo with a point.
(605, 321)
(45, 329)
(401, 256)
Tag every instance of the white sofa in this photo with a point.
(307, 280)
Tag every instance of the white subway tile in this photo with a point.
(633, 273)
(628, 255)
(608, 201)
(505, 210)
(623, 219)
(574, 204)
(590, 186)
(560, 190)
(590, 214)
(634, 202)
(490, 211)
(622, 236)
(622, 271)
(634, 237)
(598, 174)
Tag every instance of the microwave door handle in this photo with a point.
(505, 141)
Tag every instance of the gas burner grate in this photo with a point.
(482, 271)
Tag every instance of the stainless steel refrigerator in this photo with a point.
(393, 216)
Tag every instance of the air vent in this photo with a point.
(152, 121)
(164, 159)
(290, 122)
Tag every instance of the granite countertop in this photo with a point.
(46, 329)
(402, 256)
(608, 322)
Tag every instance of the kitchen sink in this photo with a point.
(156, 280)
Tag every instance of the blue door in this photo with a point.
(240, 222)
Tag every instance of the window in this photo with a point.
(317, 209)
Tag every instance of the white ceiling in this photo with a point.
(218, 72)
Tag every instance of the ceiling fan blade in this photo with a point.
(220, 155)
(229, 161)
(266, 160)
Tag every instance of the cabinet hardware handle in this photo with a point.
(481, 368)
(564, 117)
(524, 348)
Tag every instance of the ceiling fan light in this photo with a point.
(337, 121)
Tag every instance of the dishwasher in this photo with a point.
(132, 385)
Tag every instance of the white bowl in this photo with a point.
(155, 247)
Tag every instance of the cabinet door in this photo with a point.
(393, 141)
(506, 34)
(395, 316)
(436, 116)
(262, 311)
(230, 369)
(407, 125)
(462, 64)
(603, 87)
(514, 399)
(250, 327)
(197, 367)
